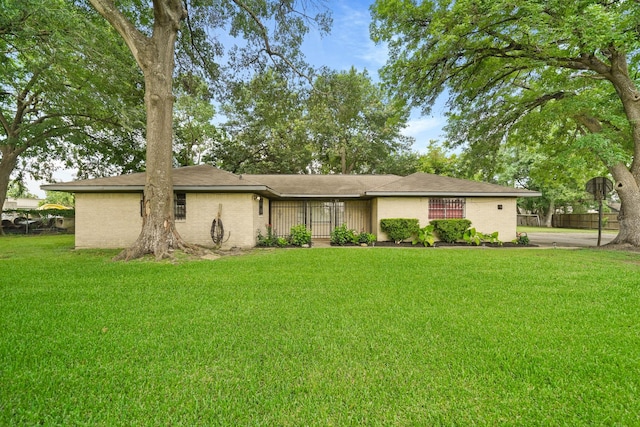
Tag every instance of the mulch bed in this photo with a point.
(450, 245)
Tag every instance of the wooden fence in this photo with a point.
(589, 221)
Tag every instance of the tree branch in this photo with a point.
(264, 35)
(135, 39)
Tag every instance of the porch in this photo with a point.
(320, 216)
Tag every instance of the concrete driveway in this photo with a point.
(569, 240)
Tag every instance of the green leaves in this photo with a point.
(266, 128)
(354, 126)
(71, 93)
(554, 76)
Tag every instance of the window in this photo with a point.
(260, 206)
(180, 205)
(446, 208)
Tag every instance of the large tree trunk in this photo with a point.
(627, 179)
(158, 225)
(548, 216)
(155, 56)
(7, 165)
(629, 217)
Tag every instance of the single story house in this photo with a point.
(108, 210)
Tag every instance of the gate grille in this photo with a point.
(321, 217)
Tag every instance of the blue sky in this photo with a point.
(349, 45)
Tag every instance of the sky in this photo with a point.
(347, 45)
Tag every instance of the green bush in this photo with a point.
(425, 236)
(474, 237)
(450, 230)
(270, 240)
(342, 235)
(399, 229)
(300, 235)
(521, 239)
(366, 238)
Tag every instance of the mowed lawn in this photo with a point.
(326, 336)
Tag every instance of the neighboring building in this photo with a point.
(11, 205)
(20, 203)
(108, 210)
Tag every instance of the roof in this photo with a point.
(426, 184)
(294, 186)
(206, 178)
(190, 178)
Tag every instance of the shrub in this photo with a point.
(425, 236)
(366, 238)
(450, 230)
(300, 235)
(342, 235)
(492, 238)
(269, 240)
(521, 239)
(399, 229)
(474, 237)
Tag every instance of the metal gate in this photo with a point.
(321, 217)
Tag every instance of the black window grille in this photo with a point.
(180, 205)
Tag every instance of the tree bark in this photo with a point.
(627, 178)
(548, 217)
(158, 228)
(629, 217)
(7, 165)
(155, 56)
(343, 160)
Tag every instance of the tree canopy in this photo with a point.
(499, 61)
(265, 130)
(342, 123)
(354, 125)
(68, 92)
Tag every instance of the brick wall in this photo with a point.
(107, 220)
(112, 220)
(487, 218)
(483, 213)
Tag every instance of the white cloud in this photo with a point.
(353, 28)
(424, 129)
(61, 175)
(423, 125)
(349, 43)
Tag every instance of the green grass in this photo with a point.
(334, 336)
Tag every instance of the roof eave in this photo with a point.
(320, 196)
(449, 194)
(134, 188)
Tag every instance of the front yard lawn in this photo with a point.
(326, 336)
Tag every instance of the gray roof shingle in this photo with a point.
(209, 178)
(425, 184)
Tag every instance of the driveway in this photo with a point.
(569, 240)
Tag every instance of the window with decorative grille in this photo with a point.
(446, 208)
(180, 205)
